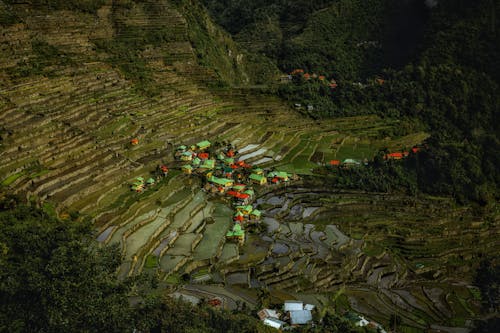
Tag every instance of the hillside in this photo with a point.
(96, 94)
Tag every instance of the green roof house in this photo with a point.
(150, 181)
(221, 181)
(256, 214)
(208, 164)
(202, 145)
(236, 233)
(250, 192)
(258, 179)
(246, 210)
(187, 168)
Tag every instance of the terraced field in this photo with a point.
(65, 139)
(321, 241)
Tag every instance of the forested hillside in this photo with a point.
(432, 65)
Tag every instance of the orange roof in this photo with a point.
(203, 156)
(380, 81)
(307, 76)
(334, 162)
(239, 218)
(395, 156)
(164, 168)
(230, 153)
(415, 150)
(134, 141)
(321, 77)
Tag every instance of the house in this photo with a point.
(356, 319)
(181, 148)
(396, 156)
(293, 306)
(196, 161)
(150, 181)
(255, 214)
(300, 317)
(236, 233)
(188, 169)
(334, 162)
(239, 187)
(258, 179)
(273, 322)
(268, 313)
(239, 217)
(208, 164)
(203, 156)
(229, 160)
(281, 175)
(164, 169)
(246, 210)
(134, 142)
(250, 192)
(258, 171)
(243, 199)
(202, 145)
(227, 171)
(285, 78)
(351, 162)
(309, 307)
(187, 156)
(222, 182)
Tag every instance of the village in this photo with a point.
(224, 175)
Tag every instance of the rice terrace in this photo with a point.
(224, 188)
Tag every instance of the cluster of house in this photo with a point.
(348, 162)
(139, 184)
(401, 154)
(294, 313)
(300, 73)
(223, 173)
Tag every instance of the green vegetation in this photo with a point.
(51, 271)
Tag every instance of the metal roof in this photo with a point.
(300, 317)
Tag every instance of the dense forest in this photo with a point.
(431, 65)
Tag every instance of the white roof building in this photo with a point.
(300, 317)
(273, 322)
(294, 306)
(309, 307)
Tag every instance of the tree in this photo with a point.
(54, 277)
